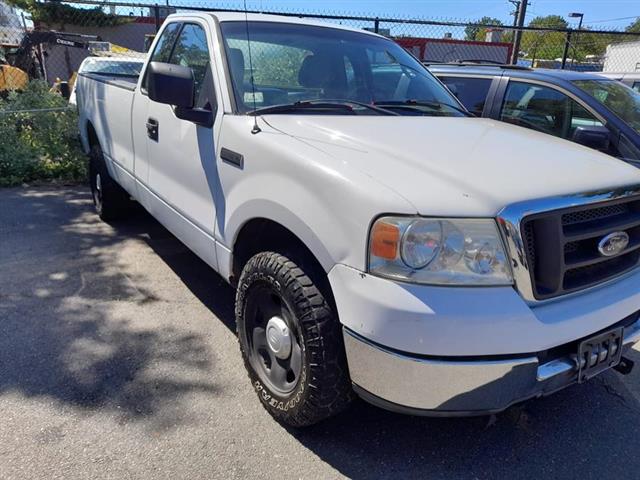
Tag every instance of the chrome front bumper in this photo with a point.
(450, 387)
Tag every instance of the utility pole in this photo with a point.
(517, 34)
(516, 4)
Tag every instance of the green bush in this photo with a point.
(38, 146)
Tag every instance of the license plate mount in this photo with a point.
(599, 353)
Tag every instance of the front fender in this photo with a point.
(316, 195)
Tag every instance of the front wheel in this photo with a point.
(291, 342)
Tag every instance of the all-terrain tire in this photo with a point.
(323, 387)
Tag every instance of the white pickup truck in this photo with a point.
(381, 241)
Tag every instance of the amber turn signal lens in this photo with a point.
(385, 239)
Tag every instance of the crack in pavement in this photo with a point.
(611, 390)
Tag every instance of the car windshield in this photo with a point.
(617, 97)
(293, 63)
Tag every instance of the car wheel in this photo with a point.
(110, 200)
(291, 342)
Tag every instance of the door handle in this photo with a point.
(152, 128)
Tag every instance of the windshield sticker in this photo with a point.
(250, 97)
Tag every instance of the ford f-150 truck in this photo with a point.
(382, 243)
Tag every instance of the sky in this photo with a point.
(605, 14)
(598, 14)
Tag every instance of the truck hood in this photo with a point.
(457, 166)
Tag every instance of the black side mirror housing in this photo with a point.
(201, 116)
(595, 137)
(170, 84)
(174, 85)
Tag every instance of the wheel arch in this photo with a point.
(261, 234)
(89, 136)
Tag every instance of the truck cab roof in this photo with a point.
(231, 16)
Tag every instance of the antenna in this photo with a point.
(256, 127)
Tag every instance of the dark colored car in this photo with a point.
(586, 108)
(631, 79)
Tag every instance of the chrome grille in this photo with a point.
(561, 246)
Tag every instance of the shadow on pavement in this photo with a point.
(72, 320)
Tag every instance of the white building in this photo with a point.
(622, 57)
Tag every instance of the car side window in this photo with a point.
(162, 52)
(163, 48)
(191, 51)
(472, 92)
(636, 86)
(544, 109)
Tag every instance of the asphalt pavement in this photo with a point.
(118, 359)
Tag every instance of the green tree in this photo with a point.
(544, 44)
(56, 13)
(585, 43)
(634, 27)
(473, 32)
(38, 146)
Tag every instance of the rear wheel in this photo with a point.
(291, 342)
(110, 200)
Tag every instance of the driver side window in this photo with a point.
(162, 52)
(191, 51)
(544, 109)
(163, 48)
(186, 45)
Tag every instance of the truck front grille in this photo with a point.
(562, 246)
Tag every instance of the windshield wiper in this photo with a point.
(347, 106)
(417, 104)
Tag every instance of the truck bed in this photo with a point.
(128, 82)
(105, 100)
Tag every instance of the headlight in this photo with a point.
(439, 251)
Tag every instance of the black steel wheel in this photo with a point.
(291, 342)
(274, 344)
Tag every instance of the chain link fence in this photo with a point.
(49, 40)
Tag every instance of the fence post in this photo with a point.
(376, 25)
(156, 14)
(565, 53)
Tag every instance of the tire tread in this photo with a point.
(329, 386)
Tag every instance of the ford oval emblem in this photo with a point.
(613, 244)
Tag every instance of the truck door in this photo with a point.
(140, 113)
(180, 165)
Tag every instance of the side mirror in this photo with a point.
(174, 85)
(595, 137)
(170, 84)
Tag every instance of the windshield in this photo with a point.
(298, 63)
(617, 97)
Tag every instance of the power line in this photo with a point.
(615, 19)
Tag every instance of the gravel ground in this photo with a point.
(118, 360)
